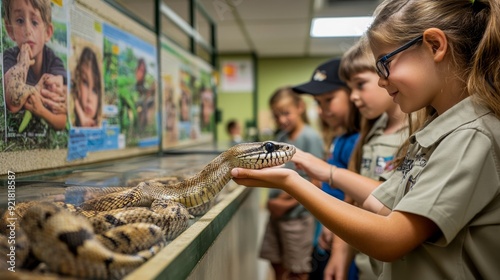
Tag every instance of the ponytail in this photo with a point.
(484, 79)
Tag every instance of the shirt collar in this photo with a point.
(438, 127)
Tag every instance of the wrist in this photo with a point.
(333, 168)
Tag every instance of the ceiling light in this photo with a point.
(340, 26)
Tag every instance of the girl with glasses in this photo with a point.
(438, 215)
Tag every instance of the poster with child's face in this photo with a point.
(35, 80)
(2, 111)
(2, 102)
(87, 86)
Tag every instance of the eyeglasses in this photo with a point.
(382, 69)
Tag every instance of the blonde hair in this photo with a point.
(357, 59)
(287, 92)
(472, 29)
(43, 6)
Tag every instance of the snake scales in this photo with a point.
(108, 236)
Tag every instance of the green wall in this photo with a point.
(272, 73)
(233, 105)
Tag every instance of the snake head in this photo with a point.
(257, 155)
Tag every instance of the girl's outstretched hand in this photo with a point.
(314, 167)
(84, 120)
(275, 177)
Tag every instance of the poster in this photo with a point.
(2, 101)
(85, 85)
(35, 77)
(237, 75)
(188, 97)
(205, 96)
(130, 82)
(113, 99)
(89, 129)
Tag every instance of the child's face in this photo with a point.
(27, 27)
(414, 80)
(286, 114)
(366, 94)
(88, 92)
(236, 130)
(334, 107)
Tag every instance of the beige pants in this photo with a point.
(289, 243)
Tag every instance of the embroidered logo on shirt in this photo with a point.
(408, 165)
(366, 163)
(382, 164)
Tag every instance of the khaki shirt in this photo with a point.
(378, 153)
(451, 175)
(380, 149)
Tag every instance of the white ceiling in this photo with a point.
(268, 28)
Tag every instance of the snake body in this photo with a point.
(108, 236)
(203, 186)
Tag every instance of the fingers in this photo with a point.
(54, 81)
(28, 106)
(55, 107)
(299, 166)
(243, 173)
(40, 84)
(247, 177)
(301, 157)
(54, 96)
(238, 172)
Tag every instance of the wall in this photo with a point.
(272, 73)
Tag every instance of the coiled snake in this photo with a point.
(118, 235)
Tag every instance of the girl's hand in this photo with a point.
(325, 239)
(335, 269)
(314, 167)
(84, 120)
(275, 177)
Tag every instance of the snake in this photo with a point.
(108, 236)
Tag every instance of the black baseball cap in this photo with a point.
(324, 79)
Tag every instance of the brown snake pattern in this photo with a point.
(108, 236)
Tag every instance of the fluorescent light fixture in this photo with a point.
(340, 26)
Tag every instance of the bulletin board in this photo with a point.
(99, 93)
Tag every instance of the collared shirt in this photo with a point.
(451, 175)
(309, 141)
(380, 148)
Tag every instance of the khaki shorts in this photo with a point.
(289, 243)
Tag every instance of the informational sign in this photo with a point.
(237, 75)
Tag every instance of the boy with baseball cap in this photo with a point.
(337, 111)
